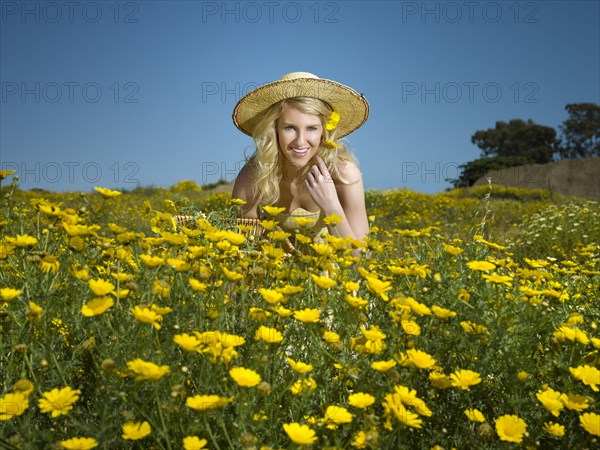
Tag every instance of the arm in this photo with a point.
(242, 190)
(344, 200)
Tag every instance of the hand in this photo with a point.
(321, 188)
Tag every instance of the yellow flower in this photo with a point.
(283, 312)
(411, 327)
(510, 428)
(551, 400)
(81, 274)
(49, 263)
(522, 375)
(590, 423)
(575, 402)
(9, 294)
(152, 261)
(356, 302)
(206, 402)
(420, 359)
(303, 221)
(97, 306)
(273, 210)
(244, 377)
(13, 405)
(58, 401)
(439, 380)
(454, 251)
(268, 224)
(300, 434)
(269, 335)
(404, 416)
(323, 282)
(146, 315)
(79, 443)
(186, 342)
(299, 367)
(178, 264)
(6, 173)
(289, 289)
(464, 379)
(322, 250)
(332, 121)
(331, 337)
(161, 288)
(499, 279)
(463, 294)
(232, 275)
(351, 286)
(337, 415)
(474, 415)
(332, 220)
(146, 370)
(361, 400)
(587, 375)
(238, 201)
(378, 287)
(304, 385)
(554, 429)
(196, 285)
(194, 443)
(481, 265)
(308, 315)
(330, 144)
(278, 235)
(107, 193)
(23, 386)
(80, 230)
(270, 296)
(383, 366)
(473, 328)
(161, 310)
(442, 313)
(101, 287)
(360, 440)
(22, 240)
(133, 431)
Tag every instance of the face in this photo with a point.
(299, 136)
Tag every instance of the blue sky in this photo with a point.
(140, 93)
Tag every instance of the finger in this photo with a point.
(322, 165)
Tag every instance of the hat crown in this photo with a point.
(296, 75)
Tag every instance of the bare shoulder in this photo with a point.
(349, 171)
(242, 189)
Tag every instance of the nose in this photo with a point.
(300, 139)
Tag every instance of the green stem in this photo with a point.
(165, 430)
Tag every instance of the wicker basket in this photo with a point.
(256, 230)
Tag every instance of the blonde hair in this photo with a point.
(267, 162)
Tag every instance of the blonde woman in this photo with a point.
(299, 163)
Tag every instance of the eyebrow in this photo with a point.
(310, 125)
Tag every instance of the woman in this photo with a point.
(299, 163)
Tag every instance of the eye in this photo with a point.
(288, 127)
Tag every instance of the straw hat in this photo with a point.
(352, 106)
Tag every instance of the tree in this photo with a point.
(518, 138)
(474, 170)
(581, 131)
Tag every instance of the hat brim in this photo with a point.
(352, 106)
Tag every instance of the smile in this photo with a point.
(300, 151)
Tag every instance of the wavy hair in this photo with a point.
(267, 161)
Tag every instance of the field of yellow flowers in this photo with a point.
(470, 322)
